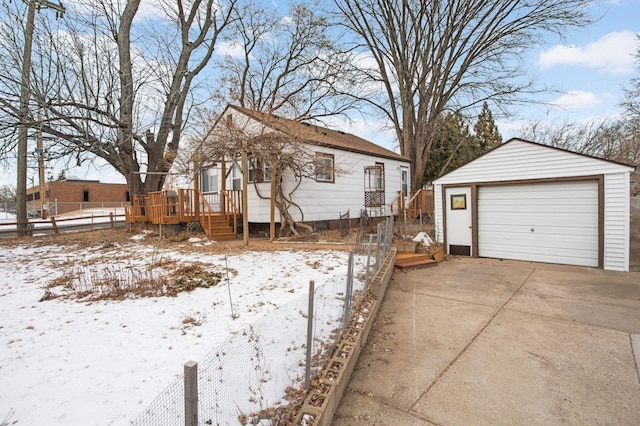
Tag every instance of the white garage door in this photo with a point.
(544, 222)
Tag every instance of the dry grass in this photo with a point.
(118, 282)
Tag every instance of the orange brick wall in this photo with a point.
(98, 192)
(70, 194)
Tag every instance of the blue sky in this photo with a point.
(587, 66)
(590, 66)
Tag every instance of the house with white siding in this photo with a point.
(531, 202)
(351, 174)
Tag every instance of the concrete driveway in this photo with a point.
(481, 341)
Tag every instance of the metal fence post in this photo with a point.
(349, 292)
(389, 236)
(378, 246)
(191, 393)
(366, 274)
(307, 368)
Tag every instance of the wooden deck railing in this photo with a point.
(206, 214)
(421, 202)
(137, 211)
(229, 204)
(397, 206)
(163, 208)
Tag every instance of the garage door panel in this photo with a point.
(523, 252)
(489, 233)
(540, 204)
(570, 257)
(529, 220)
(563, 217)
(538, 191)
(524, 242)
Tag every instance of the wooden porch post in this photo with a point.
(223, 186)
(272, 224)
(245, 198)
(196, 190)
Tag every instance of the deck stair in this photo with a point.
(406, 260)
(218, 227)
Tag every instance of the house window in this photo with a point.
(85, 195)
(325, 172)
(404, 179)
(266, 172)
(209, 180)
(259, 171)
(253, 165)
(127, 196)
(236, 179)
(377, 177)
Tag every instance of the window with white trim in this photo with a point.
(253, 170)
(325, 171)
(236, 178)
(259, 171)
(266, 172)
(405, 181)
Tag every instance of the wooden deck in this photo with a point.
(218, 213)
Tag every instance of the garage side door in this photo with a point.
(548, 222)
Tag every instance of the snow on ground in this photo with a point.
(71, 362)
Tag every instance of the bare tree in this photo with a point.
(7, 194)
(119, 86)
(616, 140)
(288, 64)
(631, 102)
(430, 56)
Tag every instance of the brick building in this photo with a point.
(72, 195)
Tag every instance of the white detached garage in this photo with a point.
(526, 201)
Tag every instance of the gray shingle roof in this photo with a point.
(320, 136)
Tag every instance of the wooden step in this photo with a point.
(415, 264)
(223, 237)
(217, 218)
(410, 260)
(409, 256)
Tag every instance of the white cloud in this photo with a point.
(230, 48)
(576, 100)
(611, 54)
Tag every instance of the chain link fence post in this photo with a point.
(191, 393)
(307, 368)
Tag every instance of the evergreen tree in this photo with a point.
(453, 147)
(486, 131)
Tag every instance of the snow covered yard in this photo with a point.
(69, 360)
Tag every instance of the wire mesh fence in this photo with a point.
(256, 373)
(405, 232)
